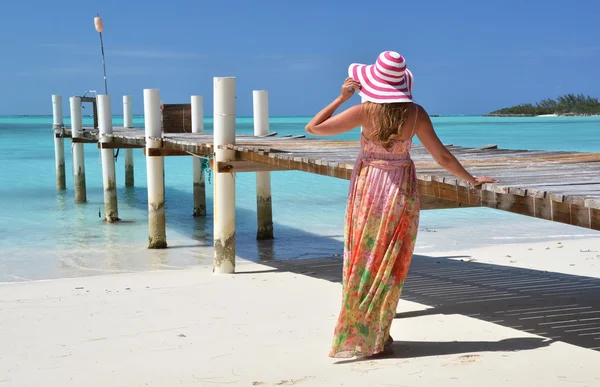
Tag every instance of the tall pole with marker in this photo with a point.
(100, 27)
(105, 129)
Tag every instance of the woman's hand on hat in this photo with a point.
(348, 89)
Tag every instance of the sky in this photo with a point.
(467, 56)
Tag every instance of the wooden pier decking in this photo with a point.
(558, 186)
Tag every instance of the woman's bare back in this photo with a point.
(404, 133)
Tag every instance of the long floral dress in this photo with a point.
(381, 223)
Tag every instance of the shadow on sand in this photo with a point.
(414, 349)
(552, 305)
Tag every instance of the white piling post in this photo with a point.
(264, 209)
(199, 184)
(109, 181)
(155, 166)
(224, 187)
(59, 142)
(78, 155)
(128, 123)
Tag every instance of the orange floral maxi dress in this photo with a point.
(381, 223)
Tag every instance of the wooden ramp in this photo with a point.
(557, 186)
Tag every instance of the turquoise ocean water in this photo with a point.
(43, 234)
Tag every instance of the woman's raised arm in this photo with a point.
(323, 124)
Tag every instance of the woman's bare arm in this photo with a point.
(340, 123)
(440, 154)
(323, 124)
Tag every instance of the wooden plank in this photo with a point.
(487, 147)
(177, 118)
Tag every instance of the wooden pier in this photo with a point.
(557, 186)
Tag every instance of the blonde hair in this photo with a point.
(387, 120)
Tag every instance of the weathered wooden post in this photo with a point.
(128, 123)
(224, 187)
(78, 155)
(264, 209)
(155, 166)
(199, 184)
(109, 181)
(59, 142)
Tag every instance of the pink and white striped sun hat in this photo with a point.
(386, 81)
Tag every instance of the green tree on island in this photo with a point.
(569, 104)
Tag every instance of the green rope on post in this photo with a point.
(205, 167)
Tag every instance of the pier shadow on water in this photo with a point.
(290, 243)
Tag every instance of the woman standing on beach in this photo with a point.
(382, 214)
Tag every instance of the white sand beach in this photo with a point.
(579, 257)
(271, 325)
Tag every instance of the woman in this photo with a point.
(382, 214)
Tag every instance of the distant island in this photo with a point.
(566, 105)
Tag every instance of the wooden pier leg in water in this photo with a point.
(109, 181)
(199, 184)
(264, 209)
(78, 155)
(59, 143)
(155, 166)
(128, 123)
(224, 186)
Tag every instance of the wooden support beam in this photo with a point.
(78, 140)
(433, 203)
(164, 152)
(95, 113)
(531, 204)
(92, 100)
(112, 145)
(244, 166)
